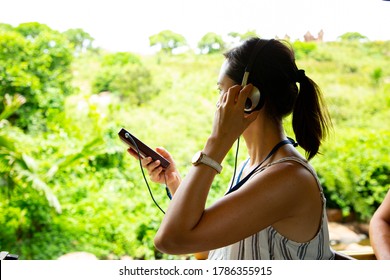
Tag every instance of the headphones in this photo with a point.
(255, 101)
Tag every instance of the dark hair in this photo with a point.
(276, 75)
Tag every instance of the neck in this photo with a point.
(261, 136)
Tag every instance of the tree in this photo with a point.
(243, 36)
(124, 74)
(211, 43)
(35, 62)
(120, 59)
(352, 36)
(32, 30)
(6, 27)
(28, 178)
(167, 40)
(302, 49)
(80, 40)
(17, 168)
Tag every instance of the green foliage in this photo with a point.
(352, 36)
(376, 76)
(303, 49)
(32, 30)
(120, 59)
(360, 183)
(167, 40)
(243, 36)
(211, 43)
(79, 39)
(6, 27)
(79, 166)
(124, 75)
(11, 104)
(35, 62)
(18, 169)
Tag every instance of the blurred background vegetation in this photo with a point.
(66, 181)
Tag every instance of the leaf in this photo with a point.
(30, 163)
(11, 104)
(5, 167)
(38, 184)
(91, 148)
(7, 143)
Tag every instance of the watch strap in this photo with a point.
(209, 162)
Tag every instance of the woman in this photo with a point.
(278, 209)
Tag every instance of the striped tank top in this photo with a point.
(268, 244)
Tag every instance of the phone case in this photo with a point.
(144, 150)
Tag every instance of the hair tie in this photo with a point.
(300, 75)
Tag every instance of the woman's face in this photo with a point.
(224, 82)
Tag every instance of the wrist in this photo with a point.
(202, 158)
(174, 184)
(216, 149)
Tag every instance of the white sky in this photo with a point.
(125, 25)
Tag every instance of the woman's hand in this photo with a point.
(230, 120)
(157, 173)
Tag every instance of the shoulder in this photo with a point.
(383, 211)
(289, 179)
(290, 170)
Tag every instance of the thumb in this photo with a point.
(164, 153)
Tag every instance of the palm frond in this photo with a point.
(7, 142)
(5, 163)
(91, 148)
(38, 184)
(11, 104)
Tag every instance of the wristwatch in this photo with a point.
(200, 157)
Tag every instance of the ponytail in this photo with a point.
(310, 118)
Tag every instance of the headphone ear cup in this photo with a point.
(254, 101)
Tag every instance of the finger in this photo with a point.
(132, 153)
(146, 161)
(153, 165)
(232, 94)
(244, 94)
(162, 151)
(155, 175)
(222, 99)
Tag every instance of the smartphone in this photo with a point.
(144, 150)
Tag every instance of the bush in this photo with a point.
(303, 49)
(356, 174)
(35, 62)
(126, 78)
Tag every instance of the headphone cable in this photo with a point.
(165, 179)
(235, 163)
(143, 174)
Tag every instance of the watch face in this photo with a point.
(196, 158)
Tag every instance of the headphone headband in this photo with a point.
(256, 50)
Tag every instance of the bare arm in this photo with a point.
(380, 230)
(170, 177)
